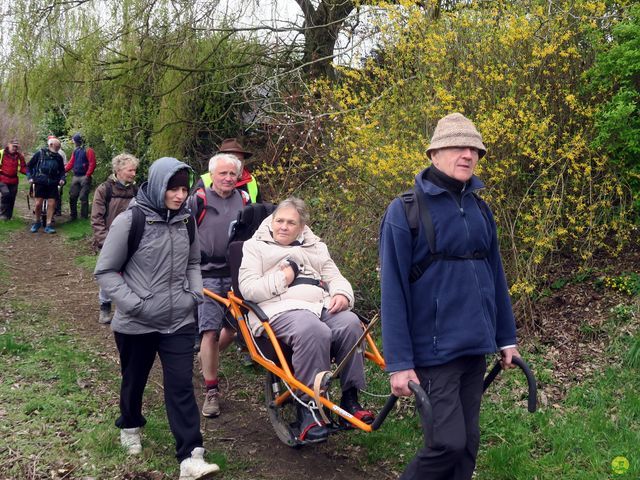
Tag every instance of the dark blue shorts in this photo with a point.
(46, 191)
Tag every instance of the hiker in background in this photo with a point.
(109, 200)
(215, 208)
(83, 163)
(11, 163)
(64, 159)
(444, 310)
(245, 181)
(155, 287)
(287, 270)
(45, 171)
(55, 144)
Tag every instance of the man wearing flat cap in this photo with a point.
(445, 301)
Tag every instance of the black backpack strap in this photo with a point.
(108, 193)
(427, 222)
(417, 211)
(411, 211)
(191, 228)
(484, 208)
(138, 220)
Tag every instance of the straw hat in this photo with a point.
(456, 130)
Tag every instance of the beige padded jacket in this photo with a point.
(262, 281)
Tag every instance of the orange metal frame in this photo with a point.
(235, 306)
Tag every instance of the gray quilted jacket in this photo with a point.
(161, 283)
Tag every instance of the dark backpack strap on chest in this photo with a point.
(417, 212)
(201, 205)
(138, 220)
(191, 228)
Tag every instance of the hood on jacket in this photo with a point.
(152, 192)
(263, 233)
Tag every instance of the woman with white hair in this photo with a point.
(287, 270)
(110, 199)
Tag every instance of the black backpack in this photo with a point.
(46, 166)
(417, 211)
(248, 221)
(138, 221)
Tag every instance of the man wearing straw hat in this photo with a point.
(445, 301)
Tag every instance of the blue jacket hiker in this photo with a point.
(45, 172)
(445, 301)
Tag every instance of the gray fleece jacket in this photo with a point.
(161, 283)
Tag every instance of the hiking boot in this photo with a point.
(195, 468)
(49, 229)
(130, 440)
(211, 405)
(310, 430)
(105, 313)
(349, 402)
(35, 227)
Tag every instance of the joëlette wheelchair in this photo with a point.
(282, 389)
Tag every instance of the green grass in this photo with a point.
(79, 233)
(8, 226)
(59, 399)
(77, 230)
(576, 438)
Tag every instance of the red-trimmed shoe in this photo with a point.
(349, 402)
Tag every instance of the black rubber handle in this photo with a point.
(423, 406)
(425, 410)
(382, 414)
(532, 400)
(257, 310)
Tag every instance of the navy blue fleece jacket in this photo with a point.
(457, 307)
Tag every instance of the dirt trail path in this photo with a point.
(243, 431)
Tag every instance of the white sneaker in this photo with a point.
(195, 468)
(130, 440)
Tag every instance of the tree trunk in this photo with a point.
(321, 29)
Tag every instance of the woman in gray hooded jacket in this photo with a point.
(155, 293)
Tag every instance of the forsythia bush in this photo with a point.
(516, 72)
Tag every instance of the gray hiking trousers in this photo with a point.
(80, 188)
(315, 341)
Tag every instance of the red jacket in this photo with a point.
(91, 157)
(9, 166)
